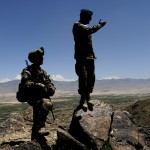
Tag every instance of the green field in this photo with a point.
(6, 109)
(71, 102)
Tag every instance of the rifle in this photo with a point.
(27, 63)
(53, 114)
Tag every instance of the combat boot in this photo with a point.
(89, 102)
(34, 134)
(82, 105)
(37, 135)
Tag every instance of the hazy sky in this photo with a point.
(122, 47)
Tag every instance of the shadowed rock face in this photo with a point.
(141, 112)
(102, 128)
(124, 133)
(92, 127)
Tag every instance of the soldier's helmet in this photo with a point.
(47, 104)
(34, 54)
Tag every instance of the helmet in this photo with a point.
(35, 53)
(47, 104)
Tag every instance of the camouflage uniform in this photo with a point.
(84, 54)
(34, 81)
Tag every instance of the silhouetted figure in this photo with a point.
(38, 88)
(84, 55)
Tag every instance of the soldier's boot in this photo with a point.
(37, 132)
(34, 134)
(42, 131)
(82, 105)
(89, 102)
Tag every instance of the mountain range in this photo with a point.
(69, 88)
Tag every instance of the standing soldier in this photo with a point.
(84, 55)
(38, 88)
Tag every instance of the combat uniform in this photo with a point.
(35, 82)
(84, 55)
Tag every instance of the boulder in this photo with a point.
(124, 133)
(14, 129)
(141, 112)
(65, 141)
(102, 128)
(92, 127)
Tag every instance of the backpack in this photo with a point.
(21, 94)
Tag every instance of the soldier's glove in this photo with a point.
(40, 85)
(40, 89)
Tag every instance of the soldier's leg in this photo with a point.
(42, 120)
(35, 128)
(82, 81)
(90, 82)
(43, 116)
(39, 118)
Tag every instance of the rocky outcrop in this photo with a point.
(103, 128)
(15, 133)
(29, 145)
(141, 112)
(100, 129)
(124, 133)
(92, 127)
(14, 128)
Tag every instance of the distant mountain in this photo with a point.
(123, 84)
(12, 86)
(111, 85)
(9, 87)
